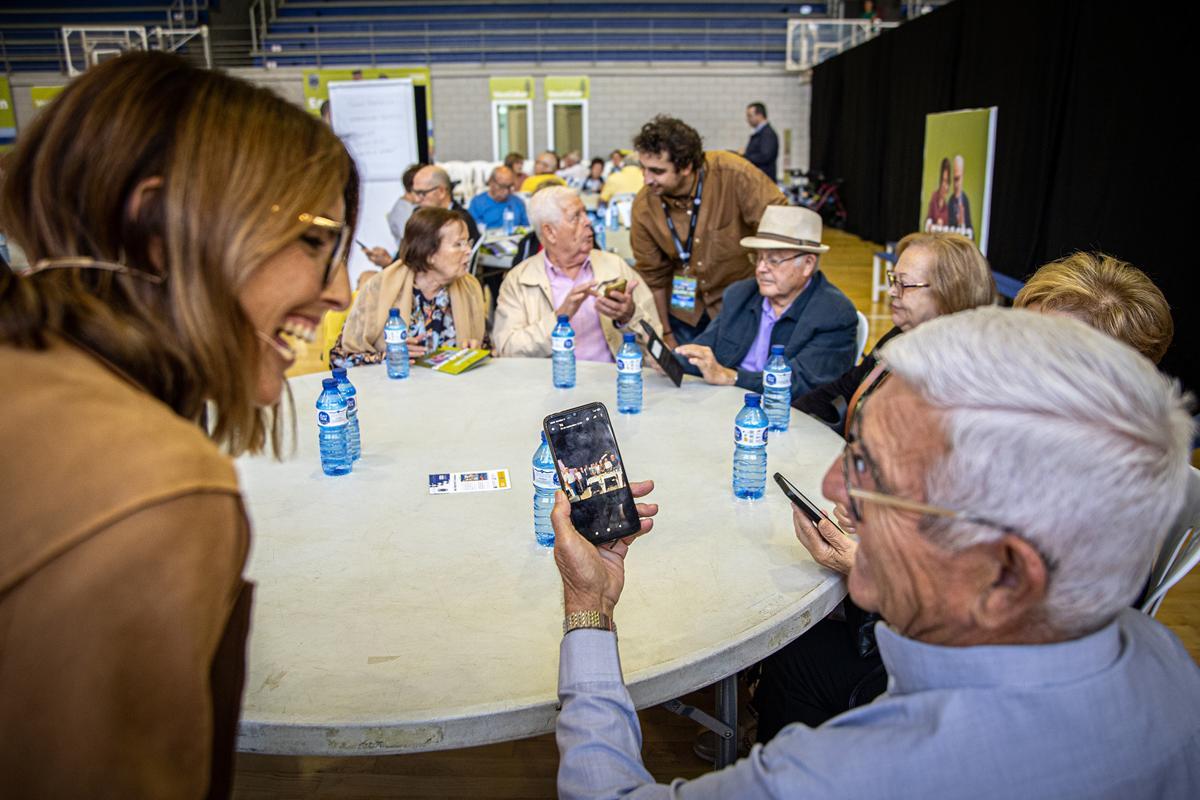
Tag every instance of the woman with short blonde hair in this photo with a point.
(183, 227)
(1111, 295)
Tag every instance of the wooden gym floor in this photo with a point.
(526, 768)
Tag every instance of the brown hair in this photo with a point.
(1111, 295)
(961, 277)
(423, 235)
(238, 165)
(680, 141)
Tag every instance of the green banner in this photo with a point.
(8, 117)
(316, 86)
(511, 88)
(42, 95)
(956, 182)
(572, 87)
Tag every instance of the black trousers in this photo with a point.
(685, 333)
(814, 679)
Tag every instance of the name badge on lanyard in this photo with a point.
(683, 287)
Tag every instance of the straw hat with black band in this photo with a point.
(788, 228)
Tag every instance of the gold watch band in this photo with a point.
(588, 619)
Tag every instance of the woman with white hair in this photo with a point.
(566, 278)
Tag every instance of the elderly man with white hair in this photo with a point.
(1011, 482)
(564, 279)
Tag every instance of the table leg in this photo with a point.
(727, 710)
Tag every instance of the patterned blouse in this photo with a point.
(432, 323)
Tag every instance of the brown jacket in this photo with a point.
(123, 612)
(735, 194)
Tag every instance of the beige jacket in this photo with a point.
(525, 309)
(393, 288)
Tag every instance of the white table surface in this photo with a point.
(387, 620)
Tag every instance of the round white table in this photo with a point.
(388, 620)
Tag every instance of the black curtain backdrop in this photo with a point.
(1090, 150)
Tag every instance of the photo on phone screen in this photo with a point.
(592, 473)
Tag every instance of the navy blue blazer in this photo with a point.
(763, 149)
(819, 334)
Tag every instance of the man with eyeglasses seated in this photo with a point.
(1011, 480)
(487, 208)
(433, 189)
(788, 302)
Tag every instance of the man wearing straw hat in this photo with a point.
(788, 302)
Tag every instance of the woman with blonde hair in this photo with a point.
(439, 302)
(183, 228)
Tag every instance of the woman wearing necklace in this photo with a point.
(441, 304)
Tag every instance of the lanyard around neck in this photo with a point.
(685, 250)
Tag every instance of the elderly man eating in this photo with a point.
(563, 279)
(788, 302)
(1011, 481)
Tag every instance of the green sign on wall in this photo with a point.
(8, 116)
(511, 88)
(42, 95)
(573, 87)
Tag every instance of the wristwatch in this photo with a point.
(588, 619)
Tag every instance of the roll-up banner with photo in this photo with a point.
(956, 183)
(316, 91)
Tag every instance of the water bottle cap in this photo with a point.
(776, 349)
(394, 313)
(753, 400)
(563, 319)
(329, 383)
(339, 372)
(629, 337)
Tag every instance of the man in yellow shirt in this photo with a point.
(543, 172)
(626, 180)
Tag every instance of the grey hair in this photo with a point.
(546, 206)
(1066, 435)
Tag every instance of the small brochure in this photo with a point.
(453, 360)
(479, 481)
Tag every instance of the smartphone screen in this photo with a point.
(591, 473)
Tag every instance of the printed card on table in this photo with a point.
(491, 480)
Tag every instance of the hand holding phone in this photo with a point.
(798, 499)
(826, 542)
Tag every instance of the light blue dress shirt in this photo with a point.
(1115, 714)
(490, 214)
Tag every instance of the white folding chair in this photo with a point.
(1180, 551)
(864, 328)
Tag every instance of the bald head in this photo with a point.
(501, 184)
(431, 185)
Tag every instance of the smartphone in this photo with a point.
(799, 500)
(360, 244)
(592, 472)
(605, 288)
(663, 355)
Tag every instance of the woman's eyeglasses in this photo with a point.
(894, 281)
(341, 240)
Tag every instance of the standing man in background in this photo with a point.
(688, 222)
(763, 148)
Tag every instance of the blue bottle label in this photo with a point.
(750, 437)
(351, 405)
(331, 419)
(629, 363)
(393, 336)
(563, 344)
(545, 478)
(777, 378)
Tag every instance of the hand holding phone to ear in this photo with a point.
(825, 542)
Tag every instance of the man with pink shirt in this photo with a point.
(562, 279)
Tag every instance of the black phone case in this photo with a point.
(667, 359)
(595, 538)
(799, 500)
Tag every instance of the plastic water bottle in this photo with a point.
(545, 482)
(777, 389)
(750, 450)
(395, 336)
(510, 221)
(563, 343)
(598, 234)
(333, 429)
(629, 376)
(351, 394)
(612, 217)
